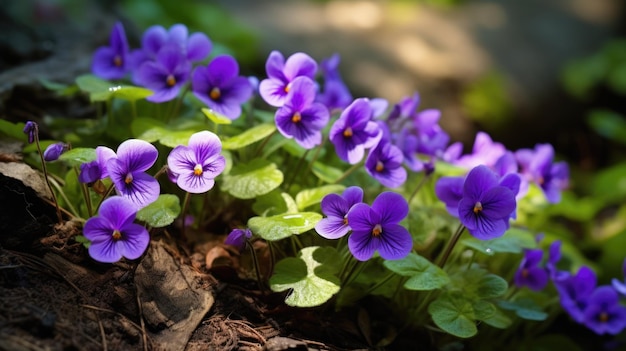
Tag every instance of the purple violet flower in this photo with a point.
(111, 62)
(197, 164)
(127, 171)
(220, 86)
(376, 228)
(336, 94)
(529, 273)
(354, 131)
(554, 256)
(300, 117)
(31, 130)
(485, 152)
(537, 165)
(450, 191)
(238, 238)
(54, 151)
(194, 47)
(575, 290)
(486, 205)
(166, 75)
(113, 234)
(96, 169)
(620, 286)
(281, 73)
(604, 314)
(384, 163)
(335, 225)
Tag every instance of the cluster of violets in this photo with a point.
(388, 141)
(597, 307)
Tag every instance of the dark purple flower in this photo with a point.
(96, 169)
(554, 256)
(113, 234)
(604, 314)
(376, 228)
(194, 47)
(354, 131)
(452, 152)
(300, 117)
(111, 62)
(220, 86)
(53, 151)
(127, 171)
(166, 75)
(335, 94)
(575, 290)
(529, 273)
(486, 205)
(485, 152)
(450, 191)
(432, 140)
(238, 238)
(620, 286)
(537, 165)
(197, 164)
(281, 73)
(31, 130)
(335, 225)
(384, 163)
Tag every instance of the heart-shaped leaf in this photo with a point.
(78, 156)
(453, 314)
(310, 277)
(247, 181)
(310, 197)
(161, 212)
(424, 275)
(284, 225)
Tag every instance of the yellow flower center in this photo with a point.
(345, 220)
(379, 166)
(287, 87)
(347, 132)
(296, 117)
(525, 273)
(215, 93)
(197, 170)
(128, 179)
(603, 317)
(117, 61)
(117, 235)
(170, 81)
(478, 207)
(378, 229)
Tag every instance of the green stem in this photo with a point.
(348, 172)
(418, 187)
(45, 174)
(179, 101)
(106, 194)
(265, 141)
(380, 283)
(295, 170)
(451, 244)
(182, 215)
(255, 262)
(133, 105)
(67, 201)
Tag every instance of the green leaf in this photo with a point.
(424, 275)
(290, 203)
(498, 320)
(514, 241)
(216, 117)
(247, 181)
(14, 130)
(98, 89)
(525, 308)
(310, 277)
(176, 138)
(326, 173)
(270, 204)
(162, 212)
(454, 315)
(483, 309)
(78, 156)
(284, 225)
(310, 197)
(608, 124)
(131, 93)
(248, 137)
(477, 283)
(83, 240)
(148, 129)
